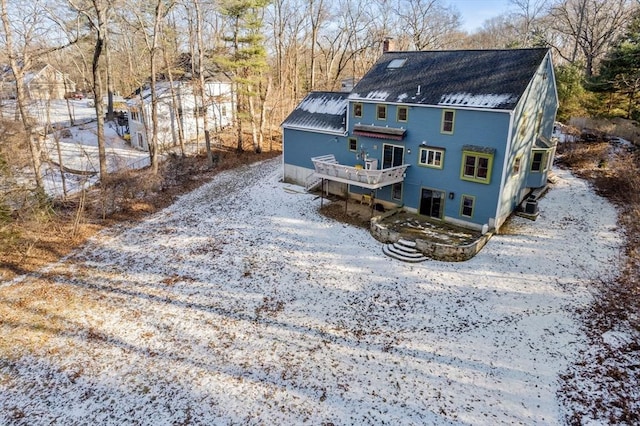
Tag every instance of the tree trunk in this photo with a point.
(175, 101)
(61, 166)
(68, 102)
(315, 27)
(194, 91)
(201, 79)
(264, 95)
(99, 104)
(110, 113)
(238, 121)
(153, 146)
(153, 143)
(100, 27)
(254, 126)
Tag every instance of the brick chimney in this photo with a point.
(386, 43)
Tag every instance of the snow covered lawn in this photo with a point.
(240, 304)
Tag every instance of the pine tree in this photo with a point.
(571, 93)
(246, 61)
(620, 70)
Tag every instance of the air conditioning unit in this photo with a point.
(531, 207)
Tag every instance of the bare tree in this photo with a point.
(527, 15)
(286, 19)
(175, 101)
(340, 47)
(499, 32)
(125, 44)
(97, 13)
(427, 22)
(22, 55)
(592, 25)
(151, 34)
(204, 107)
(18, 71)
(317, 15)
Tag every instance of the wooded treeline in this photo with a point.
(275, 51)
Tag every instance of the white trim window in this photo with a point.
(448, 121)
(431, 157)
(392, 156)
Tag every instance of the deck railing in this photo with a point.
(326, 167)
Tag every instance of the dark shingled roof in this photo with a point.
(320, 111)
(493, 79)
(543, 143)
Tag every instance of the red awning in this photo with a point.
(378, 135)
(379, 132)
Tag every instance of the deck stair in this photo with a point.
(312, 184)
(404, 250)
(313, 181)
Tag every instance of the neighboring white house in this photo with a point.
(42, 82)
(218, 107)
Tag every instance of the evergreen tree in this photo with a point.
(571, 92)
(247, 59)
(620, 70)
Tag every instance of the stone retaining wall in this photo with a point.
(431, 249)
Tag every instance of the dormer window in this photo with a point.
(396, 63)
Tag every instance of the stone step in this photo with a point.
(405, 254)
(406, 243)
(404, 251)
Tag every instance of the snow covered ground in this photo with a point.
(79, 147)
(79, 154)
(240, 304)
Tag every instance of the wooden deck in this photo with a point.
(326, 167)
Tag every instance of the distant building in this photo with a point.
(188, 110)
(42, 82)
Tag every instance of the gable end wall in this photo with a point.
(540, 97)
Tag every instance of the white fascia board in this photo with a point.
(323, 131)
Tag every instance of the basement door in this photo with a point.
(432, 203)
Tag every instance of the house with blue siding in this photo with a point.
(462, 136)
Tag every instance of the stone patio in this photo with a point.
(433, 238)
